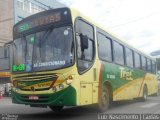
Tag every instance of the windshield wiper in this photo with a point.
(45, 36)
(42, 38)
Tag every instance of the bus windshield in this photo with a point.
(45, 50)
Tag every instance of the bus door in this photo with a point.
(86, 64)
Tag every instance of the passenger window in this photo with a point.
(118, 53)
(104, 48)
(129, 57)
(143, 63)
(137, 60)
(148, 65)
(153, 67)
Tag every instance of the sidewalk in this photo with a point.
(5, 100)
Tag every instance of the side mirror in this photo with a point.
(84, 41)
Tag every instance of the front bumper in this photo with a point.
(65, 97)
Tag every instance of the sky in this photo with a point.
(136, 21)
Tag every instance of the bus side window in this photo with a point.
(85, 45)
(137, 60)
(104, 48)
(144, 65)
(129, 57)
(149, 69)
(118, 53)
(154, 67)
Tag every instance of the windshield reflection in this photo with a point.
(19, 51)
(45, 50)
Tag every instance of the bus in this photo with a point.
(62, 58)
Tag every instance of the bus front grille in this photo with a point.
(34, 82)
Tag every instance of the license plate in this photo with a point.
(33, 97)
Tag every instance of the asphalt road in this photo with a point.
(151, 106)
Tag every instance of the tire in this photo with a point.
(104, 100)
(56, 108)
(145, 94)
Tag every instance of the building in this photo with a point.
(12, 11)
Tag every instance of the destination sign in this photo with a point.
(44, 20)
(16, 68)
(50, 17)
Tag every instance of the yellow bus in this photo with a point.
(62, 58)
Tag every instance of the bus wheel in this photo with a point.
(145, 94)
(104, 100)
(56, 108)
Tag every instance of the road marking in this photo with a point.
(149, 105)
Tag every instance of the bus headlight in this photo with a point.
(68, 82)
(70, 79)
(61, 86)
